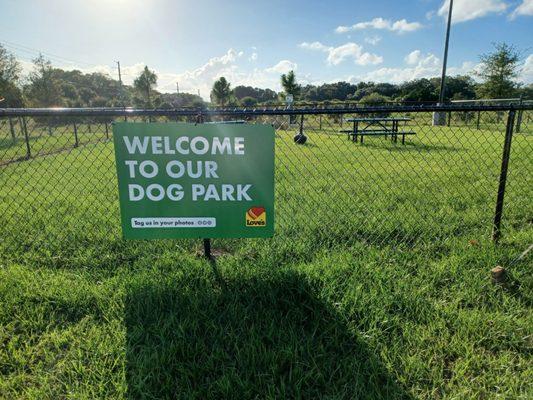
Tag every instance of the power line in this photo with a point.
(32, 50)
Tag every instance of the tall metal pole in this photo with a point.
(445, 60)
(120, 82)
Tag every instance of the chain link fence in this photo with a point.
(383, 176)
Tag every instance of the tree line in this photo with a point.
(47, 86)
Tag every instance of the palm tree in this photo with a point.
(221, 92)
(290, 86)
(145, 82)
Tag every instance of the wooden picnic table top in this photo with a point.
(378, 119)
(240, 121)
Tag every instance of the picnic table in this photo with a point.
(377, 126)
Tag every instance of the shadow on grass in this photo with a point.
(409, 146)
(255, 337)
(19, 141)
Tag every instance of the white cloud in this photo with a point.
(373, 40)
(420, 66)
(336, 55)
(283, 67)
(343, 29)
(413, 57)
(428, 65)
(466, 10)
(526, 75)
(417, 58)
(202, 77)
(253, 57)
(314, 46)
(26, 66)
(400, 26)
(404, 26)
(526, 8)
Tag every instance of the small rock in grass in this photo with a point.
(498, 274)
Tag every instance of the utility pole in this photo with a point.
(439, 118)
(177, 88)
(120, 82)
(445, 60)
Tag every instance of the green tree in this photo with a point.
(99, 101)
(289, 84)
(86, 95)
(460, 87)
(261, 95)
(145, 83)
(418, 90)
(375, 99)
(527, 92)
(221, 92)
(177, 100)
(499, 70)
(10, 93)
(43, 90)
(248, 101)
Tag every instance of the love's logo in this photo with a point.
(256, 216)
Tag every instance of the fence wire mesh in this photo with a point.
(423, 184)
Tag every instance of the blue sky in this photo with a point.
(252, 42)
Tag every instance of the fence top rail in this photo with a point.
(114, 112)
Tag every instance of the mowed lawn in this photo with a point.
(375, 286)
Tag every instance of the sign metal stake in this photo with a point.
(207, 249)
(207, 241)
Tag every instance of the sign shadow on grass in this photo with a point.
(265, 335)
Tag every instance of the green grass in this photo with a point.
(376, 284)
(43, 139)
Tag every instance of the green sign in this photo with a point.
(195, 181)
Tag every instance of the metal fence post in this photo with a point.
(12, 129)
(76, 143)
(478, 117)
(106, 131)
(26, 138)
(519, 121)
(496, 227)
(519, 117)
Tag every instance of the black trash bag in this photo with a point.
(300, 138)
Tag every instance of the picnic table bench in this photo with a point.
(377, 126)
